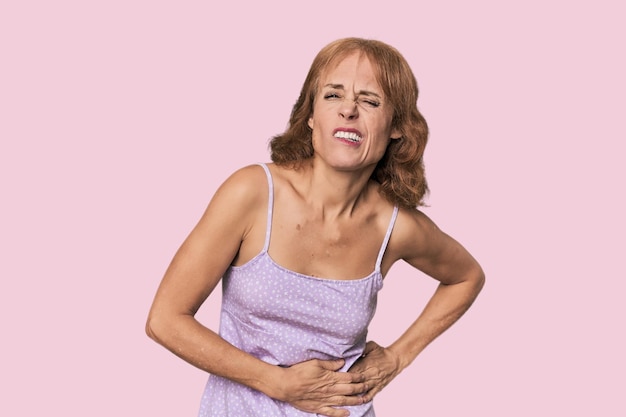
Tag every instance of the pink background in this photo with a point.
(119, 119)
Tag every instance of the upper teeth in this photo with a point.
(348, 135)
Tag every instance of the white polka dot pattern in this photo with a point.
(283, 318)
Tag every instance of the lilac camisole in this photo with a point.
(283, 317)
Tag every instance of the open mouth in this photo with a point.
(349, 136)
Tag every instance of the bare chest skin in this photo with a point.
(306, 240)
(337, 249)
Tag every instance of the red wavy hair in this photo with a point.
(400, 172)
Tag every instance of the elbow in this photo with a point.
(155, 328)
(150, 328)
(479, 279)
(165, 327)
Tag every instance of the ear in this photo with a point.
(310, 122)
(396, 134)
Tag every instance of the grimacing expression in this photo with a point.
(351, 120)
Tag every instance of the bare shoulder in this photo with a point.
(284, 174)
(414, 233)
(245, 183)
(238, 197)
(422, 244)
(413, 222)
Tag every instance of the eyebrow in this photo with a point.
(359, 93)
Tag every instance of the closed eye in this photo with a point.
(369, 102)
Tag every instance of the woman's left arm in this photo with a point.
(423, 245)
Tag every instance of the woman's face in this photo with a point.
(351, 120)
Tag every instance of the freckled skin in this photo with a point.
(330, 202)
(350, 97)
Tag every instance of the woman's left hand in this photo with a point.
(379, 365)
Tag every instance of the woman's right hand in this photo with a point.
(316, 386)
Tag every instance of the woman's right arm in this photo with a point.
(193, 274)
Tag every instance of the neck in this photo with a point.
(335, 193)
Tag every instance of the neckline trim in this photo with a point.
(268, 227)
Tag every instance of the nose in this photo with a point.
(349, 109)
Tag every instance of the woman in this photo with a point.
(303, 245)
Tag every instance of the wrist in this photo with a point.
(402, 356)
(272, 384)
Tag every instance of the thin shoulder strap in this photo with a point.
(270, 207)
(386, 240)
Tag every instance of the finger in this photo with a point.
(346, 400)
(333, 365)
(369, 396)
(349, 389)
(350, 377)
(371, 373)
(356, 389)
(333, 412)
